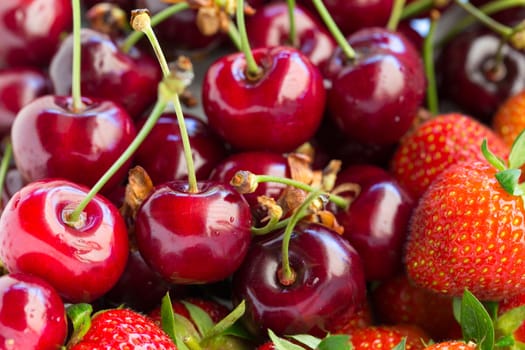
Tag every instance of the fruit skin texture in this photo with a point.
(276, 112)
(452, 345)
(437, 144)
(32, 315)
(509, 119)
(467, 232)
(387, 337)
(123, 329)
(81, 264)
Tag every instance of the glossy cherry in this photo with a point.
(270, 26)
(81, 263)
(50, 140)
(329, 282)
(277, 111)
(470, 78)
(161, 154)
(31, 30)
(376, 222)
(194, 237)
(18, 87)
(375, 96)
(32, 314)
(129, 79)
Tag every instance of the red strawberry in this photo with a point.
(387, 337)
(509, 119)
(122, 329)
(452, 345)
(359, 318)
(468, 232)
(438, 143)
(397, 300)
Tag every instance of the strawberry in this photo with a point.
(467, 231)
(509, 119)
(438, 143)
(387, 337)
(359, 318)
(116, 329)
(452, 345)
(397, 300)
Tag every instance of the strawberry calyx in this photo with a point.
(510, 172)
(80, 316)
(306, 341)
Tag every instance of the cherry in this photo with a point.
(207, 149)
(129, 79)
(375, 94)
(31, 30)
(277, 111)
(329, 282)
(81, 263)
(18, 87)
(127, 5)
(270, 26)
(376, 222)
(32, 315)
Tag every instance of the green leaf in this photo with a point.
(476, 323)
(517, 152)
(456, 309)
(80, 316)
(511, 320)
(492, 308)
(505, 342)
(518, 346)
(282, 344)
(306, 339)
(509, 180)
(224, 324)
(335, 342)
(237, 330)
(176, 326)
(199, 317)
(402, 344)
(493, 159)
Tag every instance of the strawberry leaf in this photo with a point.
(336, 342)
(307, 339)
(402, 344)
(517, 152)
(505, 342)
(224, 324)
(476, 323)
(199, 317)
(493, 159)
(80, 316)
(178, 327)
(511, 320)
(509, 180)
(281, 343)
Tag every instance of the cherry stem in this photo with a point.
(287, 276)
(78, 105)
(159, 17)
(292, 33)
(252, 69)
(416, 8)
(235, 37)
(152, 119)
(4, 165)
(428, 60)
(500, 29)
(191, 343)
(395, 16)
(141, 21)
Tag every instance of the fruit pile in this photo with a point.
(205, 174)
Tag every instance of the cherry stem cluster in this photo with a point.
(252, 69)
(77, 106)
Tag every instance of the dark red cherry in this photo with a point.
(106, 72)
(50, 140)
(32, 30)
(275, 112)
(32, 314)
(81, 263)
(376, 222)
(162, 156)
(329, 282)
(470, 77)
(269, 26)
(194, 238)
(18, 87)
(374, 97)
(259, 163)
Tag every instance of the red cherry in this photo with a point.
(128, 79)
(374, 97)
(276, 112)
(32, 315)
(169, 164)
(81, 263)
(329, 282)
(50, 140)
(194, 238)
(31, 30)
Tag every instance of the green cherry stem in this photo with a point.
(78, 105)
(495, 26)
(395, 16)
(292, 34)
(428, 60)
(252, 69)
(416, 8)
(334, 29)
(235, 37)
(4, 165)
(286, 274)
(159, 17)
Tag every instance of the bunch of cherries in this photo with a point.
(230, 153)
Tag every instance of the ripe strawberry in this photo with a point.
(397, 300)
(360, 318)
(122, 329)
(438, 143)
(509, 119)
(468, 232)
(452, 345)
(387, 337)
